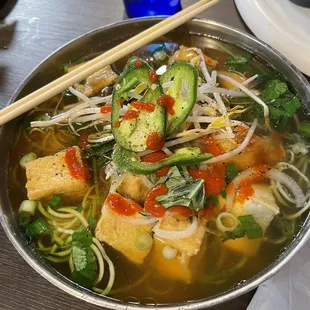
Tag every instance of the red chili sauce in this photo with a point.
(75, 165)
(167, 102)
(122, 205)
(151, 205)
(155, 142)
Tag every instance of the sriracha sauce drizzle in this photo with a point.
(130, 114)
(154, 158)
(75, 165)
(155, 142)
(105, 109)
(122, 205)
(167, 102)
(151, 205)
(142, 106)
(153, 76)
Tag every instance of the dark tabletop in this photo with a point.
(28, 34)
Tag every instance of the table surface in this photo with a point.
(32, 31)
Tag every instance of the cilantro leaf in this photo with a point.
(239, 63)
(305, 129)
(85, 269)
(92, 222)
(274, 89)
(82, 236)
(252, 229)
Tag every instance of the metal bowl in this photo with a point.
(103, 39)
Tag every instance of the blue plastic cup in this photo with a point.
(140, 8)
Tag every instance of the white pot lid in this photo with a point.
(281, 24)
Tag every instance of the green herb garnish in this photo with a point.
(252, 229)
(231, 171)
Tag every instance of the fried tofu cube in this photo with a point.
(262, 206)
(121, 234)
(188, 250)
(258, 152)
(50, 175)
(95, 82)
(133, 187)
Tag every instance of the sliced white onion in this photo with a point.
(237, 150)
(284, 166)
(272, 174)
(176, 234)
(290, 184)
(221, 227)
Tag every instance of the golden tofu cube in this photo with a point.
(95, 82)
(117, 231)
(133, 187)
(179, 268)
(50, 175)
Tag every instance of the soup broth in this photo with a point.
(216, 267)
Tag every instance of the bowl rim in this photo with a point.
(68, 286)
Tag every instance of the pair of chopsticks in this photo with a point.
(57, 86)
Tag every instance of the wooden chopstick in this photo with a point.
(57, 86)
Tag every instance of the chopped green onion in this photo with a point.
(28, 206)
(238, 232)
(26, 159)
(55, 202)
(169, 252)
(231, 171)
(251, 227)
(37, 228)
(24, 219)
(144, 242)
